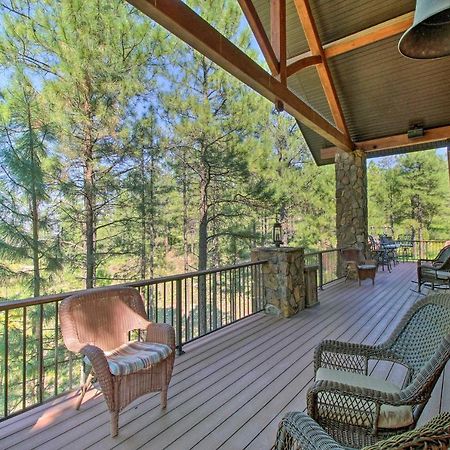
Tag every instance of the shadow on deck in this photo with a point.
(231, 388)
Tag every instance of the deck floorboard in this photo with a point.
(230, 389)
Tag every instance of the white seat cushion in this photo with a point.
(442, 274)
(390, 416)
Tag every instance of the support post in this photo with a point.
(351, 201)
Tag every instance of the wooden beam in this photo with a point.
(302, 63)
(392, 142)
(182, 21)
(312, 36)
(260, 35)
(278, 35)
(370, 35)
(365, 37)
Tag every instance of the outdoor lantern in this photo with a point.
(429, 36)
(276, 234)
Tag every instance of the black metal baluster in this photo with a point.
(6, 365)
(41, 353)
(56, 343)
(179, 317)
(156, 303)
(171, 303)
(24, 357)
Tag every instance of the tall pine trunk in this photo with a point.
(184, 182)
(34, 212)
(152, 225)
(143, 212)
(89, 216)
(203, 242)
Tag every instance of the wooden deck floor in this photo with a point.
(230, 389)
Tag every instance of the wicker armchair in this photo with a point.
(297, 431)
(356, 263)
(97, 323)
(357, 409)
(435, 271)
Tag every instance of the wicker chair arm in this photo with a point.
(348, 356)
(161, 333)
(103, 374)
(298, 431)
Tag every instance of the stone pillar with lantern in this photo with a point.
(282, 276)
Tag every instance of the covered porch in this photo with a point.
(230, 389)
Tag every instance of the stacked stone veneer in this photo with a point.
(351, 202)
(283, 278)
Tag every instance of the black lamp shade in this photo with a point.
(429, 36)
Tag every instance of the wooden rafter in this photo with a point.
(278, 35)
(312, 37)
(260, 35)
(179, 19)
(365, 37)
(392, 142)
(302, 63)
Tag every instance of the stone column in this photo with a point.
(283, 279)
(351, 200)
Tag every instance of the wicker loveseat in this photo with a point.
(435, 271)
(357, 409)
(297, 431)
(97, 323)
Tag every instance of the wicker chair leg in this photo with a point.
(164, 386)
(114, 423)
(84, 389)
(164, 398)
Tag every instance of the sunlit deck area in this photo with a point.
(230, 389)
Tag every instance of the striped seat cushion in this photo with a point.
(134, 356)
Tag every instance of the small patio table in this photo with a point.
(367, 271)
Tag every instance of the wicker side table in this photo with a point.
(367, 271)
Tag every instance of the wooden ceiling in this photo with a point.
(334, 66)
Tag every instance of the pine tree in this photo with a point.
(96, 56)
(25, 224)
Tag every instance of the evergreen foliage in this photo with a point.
(125, 154)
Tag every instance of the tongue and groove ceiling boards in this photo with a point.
(381, 93)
